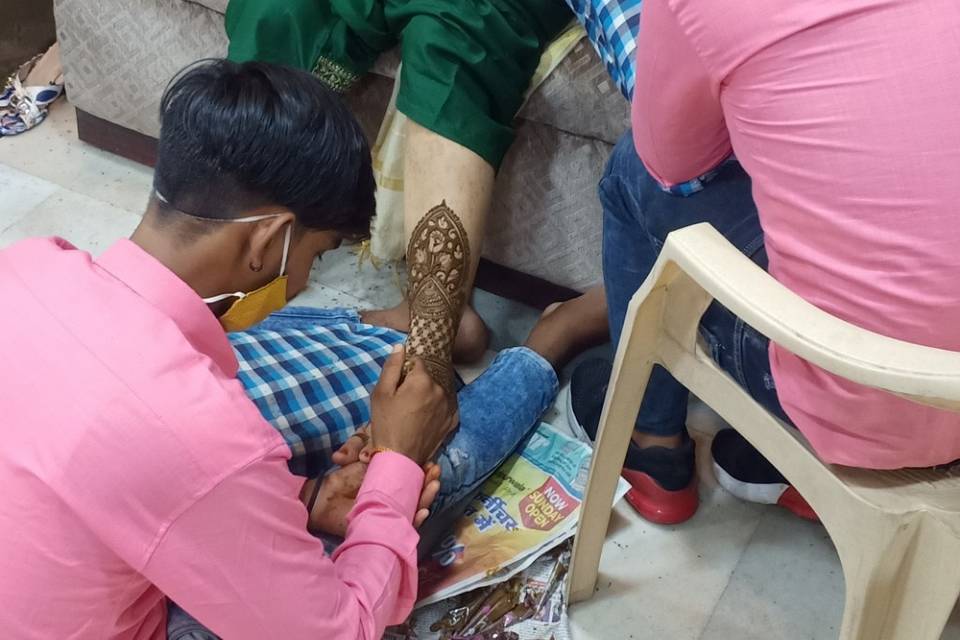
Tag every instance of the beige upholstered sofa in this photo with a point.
(119, 54)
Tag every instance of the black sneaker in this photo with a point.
(663, 480)
(744, 472)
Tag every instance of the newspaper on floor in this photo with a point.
(529, 606)
(529, 506)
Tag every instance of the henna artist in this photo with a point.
(466, 66)
(135, 468)
(497, 410)
(159, 473)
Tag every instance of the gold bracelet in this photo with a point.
(377, 450)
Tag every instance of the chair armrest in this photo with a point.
(923, 374)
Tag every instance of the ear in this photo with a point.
(265, 234)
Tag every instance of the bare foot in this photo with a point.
(471, 342)
(567, 328)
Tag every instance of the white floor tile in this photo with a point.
(377, 288)
(664, 582)
(20, 192)
(788, 585)
(87, 223)
(319, 295)
(53, 152)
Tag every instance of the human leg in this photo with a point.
(339, 40)
(566, 329)
(638, 216)
(742, 352)
(440, 171)
(505, 404)
(466, 66)
(629, 253)
(439, 258)
(310, 372)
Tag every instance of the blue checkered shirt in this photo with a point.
(612, 26)
(313, 384)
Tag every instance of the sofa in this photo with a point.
(546, 221)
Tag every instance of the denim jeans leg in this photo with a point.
(638, 216)
(497, 411)
(743, 352)
(182, 626)
(628, 257)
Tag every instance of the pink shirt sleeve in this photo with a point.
(240, 559)
(678, 125)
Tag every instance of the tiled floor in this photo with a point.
(736, 571)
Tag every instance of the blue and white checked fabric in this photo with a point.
(313, 384)
(691, 187)
(612, 26)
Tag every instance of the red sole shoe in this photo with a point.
(778, 493)
(792, 501)
(656, 504)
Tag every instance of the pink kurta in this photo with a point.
(845, 115)
(133, 465)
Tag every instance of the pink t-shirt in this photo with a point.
(133, 465)
(844, 113)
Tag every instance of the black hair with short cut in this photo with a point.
(235, 136)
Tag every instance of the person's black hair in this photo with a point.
(235, 136)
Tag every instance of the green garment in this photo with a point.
(466, 63)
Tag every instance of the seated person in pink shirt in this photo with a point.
(842, 116)
(135, 467)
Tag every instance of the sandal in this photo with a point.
(28, 94)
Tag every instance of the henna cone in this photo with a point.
(439, 258)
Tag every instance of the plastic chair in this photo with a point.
(897, 532)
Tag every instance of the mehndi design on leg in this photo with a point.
(438, 255)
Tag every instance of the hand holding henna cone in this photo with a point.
(439, 258)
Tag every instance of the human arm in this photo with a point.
(240, 559)
(678, 124)
(396, 416)
(330, 503)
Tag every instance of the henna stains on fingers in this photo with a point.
(439, 258)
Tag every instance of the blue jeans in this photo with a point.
(637, 217)
(497, 410)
